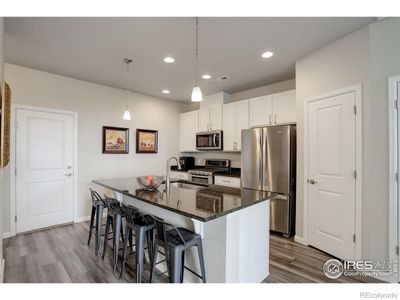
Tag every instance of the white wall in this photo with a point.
(338, 65)
(99, 105)
(384, 62)
(1, 171)
(367, 56)
(265, 90)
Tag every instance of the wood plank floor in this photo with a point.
(61, 255)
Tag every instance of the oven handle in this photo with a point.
(215, 140)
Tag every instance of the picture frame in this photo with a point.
(115, 140)
(5, 124)
(146, 141)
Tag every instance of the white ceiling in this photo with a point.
(92, 49)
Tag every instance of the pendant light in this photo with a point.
(197, 96)
(127, 113)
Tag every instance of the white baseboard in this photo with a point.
(2, 263)
(299, 239)
(7, 235)
(82, 219)
(87, 218)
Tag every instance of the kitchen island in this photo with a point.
(233, 222)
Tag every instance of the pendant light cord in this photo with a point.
(197, 51)
(127, 61)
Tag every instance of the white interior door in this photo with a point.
(331, 167)
(44, 169)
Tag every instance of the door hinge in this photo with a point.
(15, 218)
(396, 104)
(355, 174)
(354, 238)
(397, 250)
(355, 109)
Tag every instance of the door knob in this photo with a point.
(311, 181)
(68, 174)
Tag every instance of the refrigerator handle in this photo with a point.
(260, 170)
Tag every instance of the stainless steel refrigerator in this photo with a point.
(269, 164)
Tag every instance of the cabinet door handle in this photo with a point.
(275, 118)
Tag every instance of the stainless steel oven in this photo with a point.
(211, 140)
(201, 178)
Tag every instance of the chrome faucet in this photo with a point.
(167, 179)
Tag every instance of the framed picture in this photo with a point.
(5, 119)
(115, 140)
(146, 141)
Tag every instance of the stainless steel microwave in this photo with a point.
(210, 140)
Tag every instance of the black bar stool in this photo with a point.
(141, 225)
(175, 242)
(98, 205)
(115, 213)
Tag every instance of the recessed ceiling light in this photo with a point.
(166, 91)
(169, 60)
(206, 76)
(267, 54)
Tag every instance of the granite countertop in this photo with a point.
(200, 202)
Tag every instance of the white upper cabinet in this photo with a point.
(189, 126)
(229, 126)
(216, 117)
(284, 106)
(273, 109)
(210, 118)
(235, 119)
(204, 120)
(242, 121)
(261, 111)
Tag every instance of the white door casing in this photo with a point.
(394, 167)
(333, 159)
(44, 169)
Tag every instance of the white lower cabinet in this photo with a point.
(227, 181)
(179, 175)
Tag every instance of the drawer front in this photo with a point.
(227, 181)
(179, 175)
